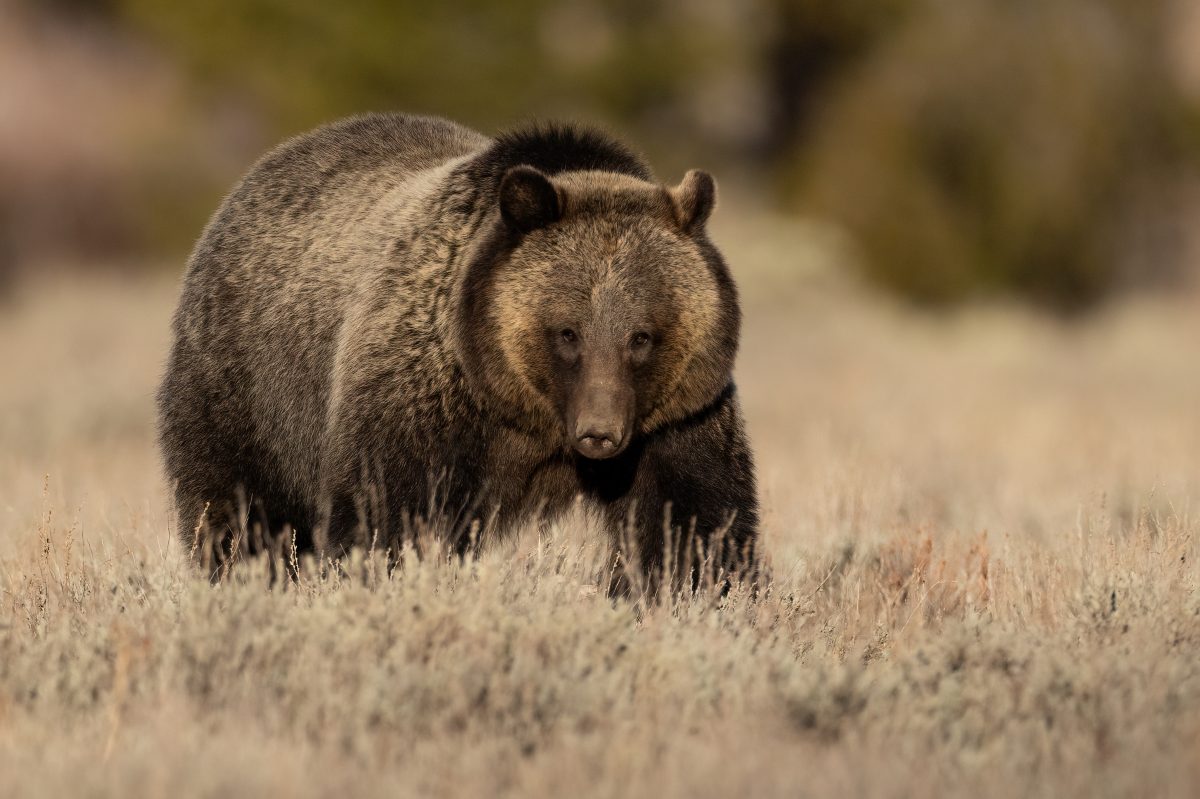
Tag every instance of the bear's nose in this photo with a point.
(595, 441)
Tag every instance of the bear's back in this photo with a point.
(400, 143)
(287, 245)
(274, 275)
(328, 177)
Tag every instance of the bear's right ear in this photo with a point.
(528, 199)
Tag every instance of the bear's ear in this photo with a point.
(694, 199)
(528, 199)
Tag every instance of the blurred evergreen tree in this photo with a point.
(485, 63)
(998, 147)
(810, 47)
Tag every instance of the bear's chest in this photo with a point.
(526, 481)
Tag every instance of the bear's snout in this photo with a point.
(598, 442)
(598, 422)
(599, 434)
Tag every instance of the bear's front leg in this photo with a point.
(689, 510)
(391, 481)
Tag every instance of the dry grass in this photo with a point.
(980, 527)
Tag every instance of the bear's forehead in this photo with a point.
(618, 241)
(612, 250)
(643, 268)
(609, 194)
(588, 183)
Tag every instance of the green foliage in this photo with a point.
(485, 63)
(997, 147)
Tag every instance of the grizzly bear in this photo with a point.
(395, 318)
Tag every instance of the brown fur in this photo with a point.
(363, 339)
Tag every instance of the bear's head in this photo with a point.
(595, 309)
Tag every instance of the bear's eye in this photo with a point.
(568, 335)
(640, 340)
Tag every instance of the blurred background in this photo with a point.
(960, 149)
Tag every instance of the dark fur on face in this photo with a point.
(597, 308)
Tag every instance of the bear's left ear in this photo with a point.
(693, 200)
(528, 199)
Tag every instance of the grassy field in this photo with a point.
(980, 526)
